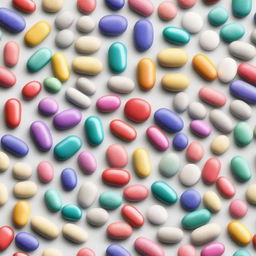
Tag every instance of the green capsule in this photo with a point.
(53, 200)
(52, 84)
(241, 8)
(117, 57)
(231, 32)
(110, 200)
(217, 16)
(164, 193)
(176, 35)
(39, 59)
(71, 212)
(243, 134)
(240, 169)
(169, 164)
(241, 252)
(94, 130)
(67, 147)
(196, 219)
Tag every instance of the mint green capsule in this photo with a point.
(71, 212)
(231, 32)
(217, 16)
(94, 130)
(243, 134)
(164, 192)
(196, 219)
(53, 200)
(110, 200)
(67, 147)
(176, 35)
(117, 57)
(52, 84)
(240, 169)
(39, 59)
(241, 8)
(241, 252)
(169, 164)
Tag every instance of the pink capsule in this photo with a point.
(186, 4)
(45, 171)
(158, 139)
(117, 156)
(213, 249)
(195, 152)
(135, 193)
(211, 170)
(108, 103)
(7, 78)
(147, 247)
(119, 230)
(212, 96)
(225, 187)
(238, 208)
(187, 250)
(142, 7)
(86, 252)
(247, 72)
(11, 53)
(87, 162)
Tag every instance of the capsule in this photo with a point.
(158, 139)
(94, 130)
(12, 110)
(239, 233)
(141, 162)
(116, 177)
(21, 213)
(117, 57)
(11, 53)
(60, 66)
(7, 78)
(212, 96)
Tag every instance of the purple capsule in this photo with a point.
(117, 250)
(87, 162)
(48, 106)
(26, 241)
(200, 128)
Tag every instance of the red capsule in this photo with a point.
(132, 215)
(135, 193)
(7, 78)
(119, 230)
(86, 252)
(11, 53)
(27, 6)
(12, 110)
(211, 170)
(6, 237)
(116, 177)
(20, 254)
(254, 241)
(195, 152)
(212, 96)
(247, 72)
(123, 130)
(86, 6)
(31, 90)
(225, 187)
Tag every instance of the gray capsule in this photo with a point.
(242, 50)
(64, 20)
(240, 109)
(121, 84)
(169, 235)
(85, 24)
(197, 110)
(221, 121)
(97, 217)
(85, 86)
(87, 194)
(77, 98)
(64, 38)
(180, 102)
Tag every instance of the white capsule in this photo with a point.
(97, 217)
(242, 50)
(87, 194)
(227, 70)
(189, 175)
(240, 109)
(121, 84)
(85, 86)
(170, 235)
(180, 102)
(197, 110)
(74, 233)
(209, 40)
(78, 98)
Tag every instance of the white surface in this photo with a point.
(157, 97)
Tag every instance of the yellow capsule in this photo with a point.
(21, 213)
(60, 66)
(204, 67)
(141, 162)
(175, 82)
(37, 33)
(87, 65)
(146, 74)
(239, 233)
(220, 145)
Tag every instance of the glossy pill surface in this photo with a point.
(157, 138)
(71, 212)
(21, 213)
(87, 65)
(169, 164)
(225, 187)
(116, 177)
(12, 110)
(77, 98)
(239, 233)
(53, 200)
(94, 130)
(7, 78)
(143, 8)
(215, 248)
(123, 130)
(117, 57)
(68, 179)
(117, 156)
(74, 233)
(247, 72)
(31, 90)
(87, 162)
(231, 32)
(26, 241)
(86, 6)
(240, 168)
(141, 162)
(146, 246)
(135, 193)
(48, 106)
(60, 66)
(175, 35)
(212, 96)
(113, 25)
(175, 82)
(240, 8)
(108, 103)
(119, 230)
(217, 16)
(11, 53)
(87, 194)
(190, 200)
(211, 170)
(6, 237)
(97, 217)
(26, 6)
(132, 215)
(110, 200)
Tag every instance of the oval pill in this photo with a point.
(68, 179)
(240, 8)
(31, 90)
(110, 200)
(26, 241)
(216, 248)
(87, 44)
(217, 16)
(25, 189)
(141, 162)
(189, 175)
(77, 98)
(180, 141)
(113, 25)
(87, 194)
(52, 6)
(123, 130)
(87, 162)
(159, 140)
(239, 233)
(211, 170)
(85, 86)
(86, 6)
(200, 128)
(195, 152)
(116, 249)
(3, 194)
(242, 50)
(132, 215)
(97, 217)
(64, 39)
(135, 193)
(175, 82)
(4, 161)
(45, 171)
(231, 32)
(12, 111)
(212, 201)
(225, 187)
(142, 7)
(192, 22)
(117, 57)
(145, 246)
(74, 233)
(85, 24)
(64, 20)
(167, 10)
(94, 130)
(87, 65)
(119, 230)
(116, 177)
(22, 170)
(175, 35)
(220, 144)
(21, 213)
(7, 235)
(247, 72)
(240, 109)
(212, 96)
(240, 169)
(60, 66)
(169, 235)
(190, 200)
(121, 84)
(11, 53)
(7, 78)
(115, 4)
(227, 70)
(117, 156)
(169, 164)
(52, 252)
(71, 212)
(53, 200)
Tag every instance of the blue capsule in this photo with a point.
(117, 250)
(115, 4)
(68, 179)
(190, 200)
(180, 141)
(26, 241)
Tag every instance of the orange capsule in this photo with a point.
(116, 177)
(146, 74)
(119, 230)
(12, 110)
(204, 67)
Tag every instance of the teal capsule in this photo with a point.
(241, 252)
(53, 200)
(71, 212)
(196, 219)
(110, 200)
(241, 8)
(67, 147)
(94, 130)
(231, 32)
(217, 16)
(243, 134)
(240, 168)
(176, 35)
(39, 59)
(52, 84)
(169, 165)
(117, 57)
(164, 192)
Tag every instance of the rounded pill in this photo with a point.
(25, 189)
(7, 235)
(85, 86)
(87, 44)
(212, 201)
(189, 175)
(132, 215)
(145, 246)
(217, 16)
(190, 200)
(26, 241)
(116, 177)
(21, 213)
(141, 162)
(121, 84)
(7, 78)
(11, 53)
(243, 134)
(192, 22)
(12, 111)
(157, 214)
(86, 6)
(87, 194)
(239, 233)
(220, 144)
(53, 200)
(52, 6)
(238, 208)
(77, 98)
(119, 230)
(123, 130)
(186, 250)
(231, 32)
(31, 90)
(227, 70)
(240, 8)
(180, 102)
(194, 152)
(97, 217)
(108, 103)
(200, 128)
(26, 6)
(250, 194)
(157, 138)
(85, 24)
(175, 82)
(87, 65)
(110, 200)
(247, 72)
(167, 10)
(86, 252)
(52, 84)
(68, 179)
(211, 170)
(113, 25)
(64, 20)
(169, 235)
(64, 38)
(22, 170)
(52, 252)
(215, 248)
(175, 35)
(143, 8)
(221, 121)
(242, 50)
(4, 162)
(117, 57)
(94, 130)
(225, 187)
(71, 212)
(209, 40)
(117, 156)
(116, 249)
(197, 110)
(74, 233)
(115, 4)
(87, 162)
(60, 65)
(135, 193)
(48, 106)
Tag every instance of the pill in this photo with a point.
(4, 161)
(238, 208)
(121, 84)
(143, 34)
(211, 170)
(7, 78)
(12, 111)
(115, 4)
(123, 130)
(14, 145)
(209, 40)
(247, 72)
(39, 59)
(172, 57)
(45, 171)
(142, 7)
(220, 144)
(11, 20)
(175, 35)
(87, 194)
(67, 147)
(86, 6)
(243, 134)
(22, 170)
(164, 192)
(141, 162)
(86, 86)
(87, 44)
(86, 252)
(117, 156)
(169, 235)
(253, 36)
(221, 121)
(217, 248)
(240, 168)
(97, 217)
(110, 200)
(240, 8)
(194, 152)
(225, 187)
(242, 50)
(48, 106)
(167, 10)
(180, 102)
(3, 194)
(227, 70)
(205, 234)
(94, 130)
(52, 6)
(64, 38)
(189, 175)
(145, 246)
(200, 128)
(186, 4)
(157, 138)
(41, 135)
(31, 90)
(146, 73)
(240, 109)
(11, 53)
(239, 233)
(169, 164)
(60, 66)
(204, 67)
(116, 249)
(241, 252)
(117, 57)
(64, 20)
(52, 252)
(87, 162)
(190, 200)
(212, 201)
(186, 249)
(71, 212)
(25, 189)
(132, 215)
(192, 22)
(197, 110)
(74, 233)
(175, 82)
(67, 119)
(231, 32)
(44, 227)
(113, 25)
(53, 200)
(77, 98)
(157, 214)
(26, 6)
(87, 65)
(119, 230)
(250, 194)
(85, 24)
(7, 235)
(212, 96)
(68, 179)
(116, 177)
(135, 193)
(217, 16)
(26, 241)
(20, 254)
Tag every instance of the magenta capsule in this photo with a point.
(145, 246)
(158, 139)
(87, 162)
(108, 103)
(11, 53)
(213, 249)
(7, 78)
(200, 128)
